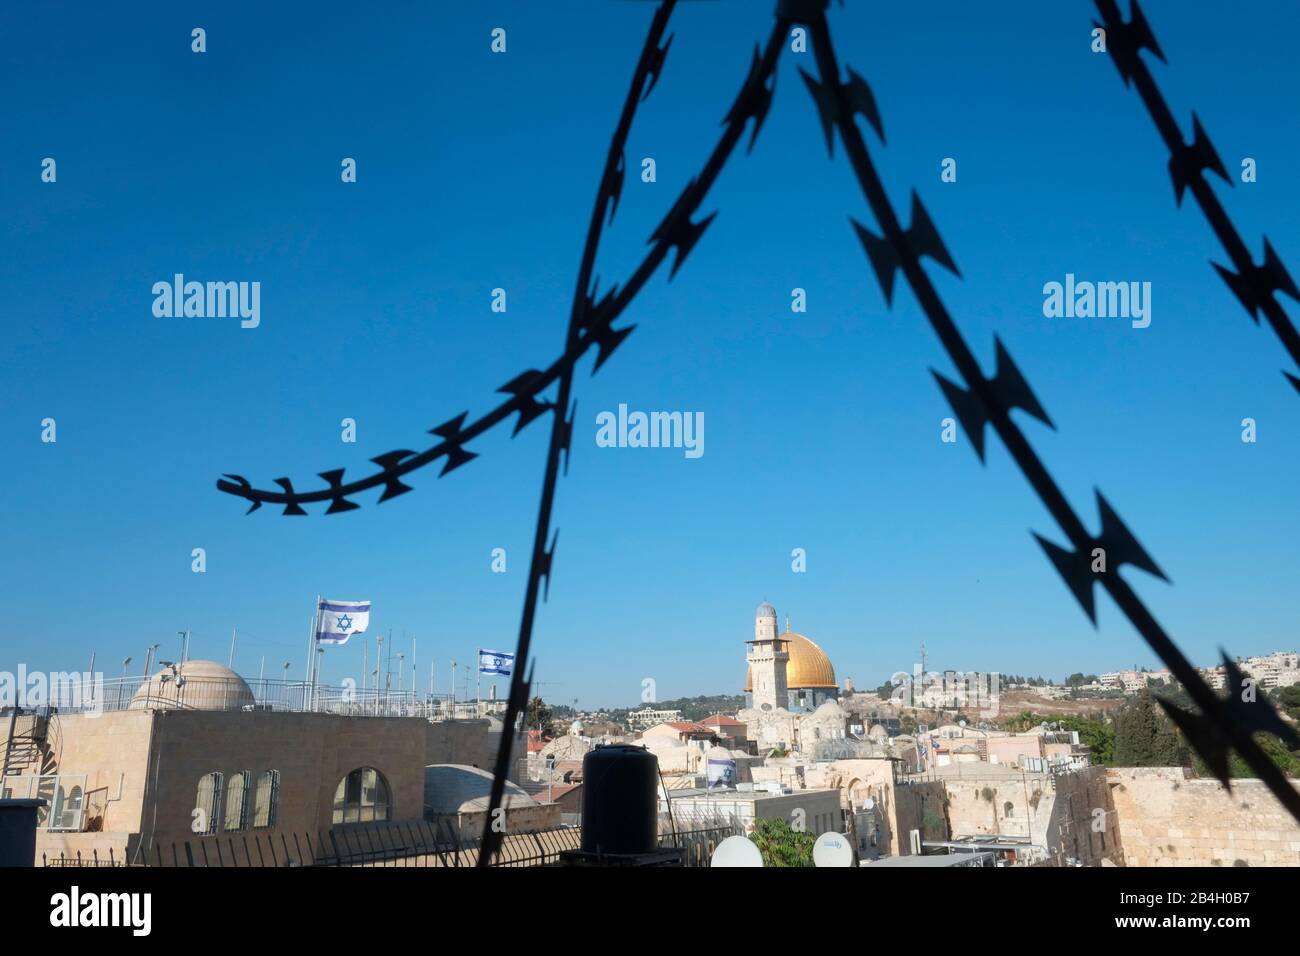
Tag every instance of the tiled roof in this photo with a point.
(722, 720)
(691, 728)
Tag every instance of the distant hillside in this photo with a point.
(692, 708)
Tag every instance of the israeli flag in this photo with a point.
(720, 774)
(336, 621)
(495, 662)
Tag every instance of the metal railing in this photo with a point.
(414, 844)
(237, 694)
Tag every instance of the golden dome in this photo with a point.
(809, 666)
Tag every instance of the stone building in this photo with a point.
(456, 797)
(817, 811)
(199, 758)
(786, 671)
(791, 695)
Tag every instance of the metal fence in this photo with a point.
(416, 844)
(164, 690)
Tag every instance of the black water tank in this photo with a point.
(620, 800)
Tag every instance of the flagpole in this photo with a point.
(311, 651)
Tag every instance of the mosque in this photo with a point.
(793, 673)
(791, 700)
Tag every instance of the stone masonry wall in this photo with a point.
(1168, 819)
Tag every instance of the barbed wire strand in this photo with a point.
(1253, 285)
(990, 401)
(983, 401)
(611, 182)
(676, 230)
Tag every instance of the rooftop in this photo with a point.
(210, 686)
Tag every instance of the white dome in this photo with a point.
(194, 685)
(451, 788)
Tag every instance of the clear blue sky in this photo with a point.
(822, 429)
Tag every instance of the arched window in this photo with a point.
(70, 817)
(207, 808)
(267, 799)
(65, 814)
(237, 801)
(362, 797)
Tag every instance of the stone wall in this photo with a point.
(1070, 815)
(1166, 818)
(916, 806)
(467, 742)
(312, 752)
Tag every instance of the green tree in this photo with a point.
(1145, 738)
(1288, 700)
(1097, 735)
(540, 714)
(1274, 749)
(1025, 720)
(781, 844)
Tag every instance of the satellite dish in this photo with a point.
(736, 851)
(832, 849)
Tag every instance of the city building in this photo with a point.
(1134, 681)
(649, 716)
(456, 797)
(786, 671)
(729, 731)
(817, 811)
(194, 752)
(1279, 669)
(791, 697)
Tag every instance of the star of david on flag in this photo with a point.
(336, 621)
(495, 662)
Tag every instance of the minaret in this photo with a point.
(768, 656)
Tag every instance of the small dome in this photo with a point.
(576, 727)
(194, 685)
(765, 610)
(451, 788)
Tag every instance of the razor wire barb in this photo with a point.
(989, 401)
(1220, 723)
(1253, 285)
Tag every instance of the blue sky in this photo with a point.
(822, 429)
